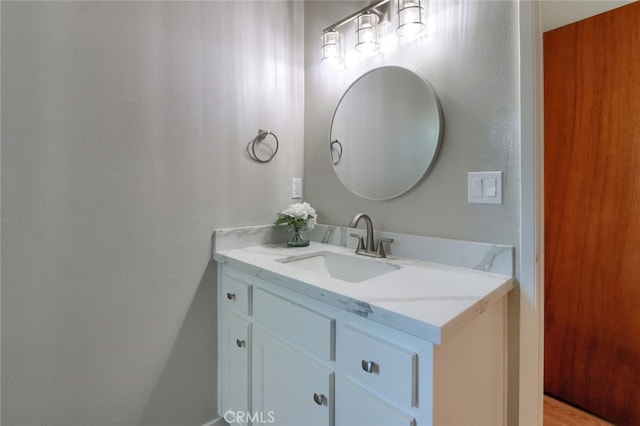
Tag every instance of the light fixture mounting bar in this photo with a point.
(380, 8)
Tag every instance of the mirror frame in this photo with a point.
(433, 98)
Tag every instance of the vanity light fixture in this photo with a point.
(410, 17)
(367, 20)
(410, 23)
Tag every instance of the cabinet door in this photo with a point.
(235, 349)
(359, 407)
(288, 387)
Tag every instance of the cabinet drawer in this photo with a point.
(236, 295)
(308, 330)
(381, 366)
(359, 407)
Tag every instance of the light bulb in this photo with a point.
(410, 18)
(332, 46)
(367, 33)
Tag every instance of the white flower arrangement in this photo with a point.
(298, 215)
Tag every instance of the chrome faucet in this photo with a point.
(368, 248)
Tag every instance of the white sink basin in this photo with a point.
(343, 267)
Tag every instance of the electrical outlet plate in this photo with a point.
(296, 188)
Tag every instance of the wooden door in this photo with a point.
(592, 214)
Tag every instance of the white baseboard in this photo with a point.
(216, 422)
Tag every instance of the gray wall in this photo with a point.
(470, 57)
(123, 147)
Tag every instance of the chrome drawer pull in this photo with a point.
(231, 296)
(369, 366)
(319, 399)
(241, 343)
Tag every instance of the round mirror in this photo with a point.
(385, 133)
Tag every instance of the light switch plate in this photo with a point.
(484, 187)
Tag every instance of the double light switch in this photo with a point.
(484, 187)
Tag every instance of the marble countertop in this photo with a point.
(428, 300)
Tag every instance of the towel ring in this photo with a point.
(251, 147)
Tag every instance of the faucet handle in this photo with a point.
(360, 241)
(381, 252)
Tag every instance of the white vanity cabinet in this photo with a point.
(288, 359)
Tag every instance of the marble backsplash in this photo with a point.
(485, 257)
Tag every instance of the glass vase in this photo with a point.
(297, 237)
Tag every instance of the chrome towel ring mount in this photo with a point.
(262, 135)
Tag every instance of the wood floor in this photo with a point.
(557, 413)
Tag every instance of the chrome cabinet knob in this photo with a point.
(241, 343)
(319, 399)
(369, 366)
(231, 296)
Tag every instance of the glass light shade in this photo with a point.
(410, 18)
(332, 47)
(367, 33)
